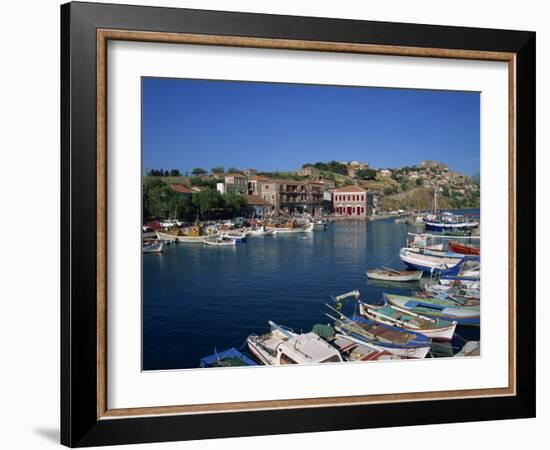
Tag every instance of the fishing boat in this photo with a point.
(189, 235)
(437, 308)
(219, 241)
(281, 346)
(350, 350)
(465, 274)
(227, 358)
(319, 225)
(355, 351)
(290, 228)
(399, 342)
(236, 235)
(424, 241)
(436, 329)
(465, 249)
(152, 246)
(259, 231)
(452, 291)
(471, 348)
(387, 274)
(427, 263)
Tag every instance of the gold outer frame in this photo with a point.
(103, 36)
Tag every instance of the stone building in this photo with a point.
(236, 183)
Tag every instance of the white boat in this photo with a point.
(436, 329)
(153, 247)
(354, 351)
(471, 348)
(282, 346)
(291, 230)
(219, 241)
(181, 238)
(424, 241)
(386, 274)
(319, 224)
(427, 263)
(237, 235)
(258, 232)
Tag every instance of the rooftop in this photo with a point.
(350, 189)
(180, 188)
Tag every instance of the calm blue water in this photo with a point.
(197, 298)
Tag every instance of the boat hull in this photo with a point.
(412, 276)
(446, 226)
(463, 249)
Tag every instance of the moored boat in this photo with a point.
(465, 249)
(189, 235)
(437, 308)
(152, 246)
(290, 229)
(219, 241)
(427, 263)
(436, 329)
(227, 358)
(399, 342)
(387, 274)
(281, 346)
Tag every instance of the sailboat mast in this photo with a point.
(435, 199)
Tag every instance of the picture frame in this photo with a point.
(86, 419)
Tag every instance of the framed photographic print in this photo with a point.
(276, 224)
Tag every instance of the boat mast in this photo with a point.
(435, 199)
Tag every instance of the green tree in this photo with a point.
(175, 173)
(217, 170)
(418, 182)
(235, 205)
(366, 174)
(233, 170)
(208, 201)
(198, 171)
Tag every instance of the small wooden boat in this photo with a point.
(290, 227)
(437, 308)
(350, 350)
(281, 346)
(471, 348)
(227, 358)
(259, 231)
(453, 292)
(387, 274)
(426, 263)
(465, 274)
(237, 235)
(188, 236)
(436, 329)
(219, 241)
(465, 249)
(152, 247)
(399, 342)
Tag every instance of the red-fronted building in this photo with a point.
(350, 201)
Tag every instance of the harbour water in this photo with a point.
(198, 298)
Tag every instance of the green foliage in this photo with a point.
(198, 171)
(331, 166)
(418, 182)
(217, 170)
(233, 170)
(163, 173)
(234, 205)
(366, 174)
(199, 182)
(207, 201)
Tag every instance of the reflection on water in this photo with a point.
(197, 297)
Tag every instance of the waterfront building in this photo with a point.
(236, 183)
(258, 207)
(289, 196)
(350, 201)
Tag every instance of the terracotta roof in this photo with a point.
(181, 189)
(257, 200)
(350, 189)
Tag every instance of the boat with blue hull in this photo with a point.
(427, 263)
(399, 342)
(227, 358)
(467, 273)
(437, 308)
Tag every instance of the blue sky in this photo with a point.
(272, 126)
